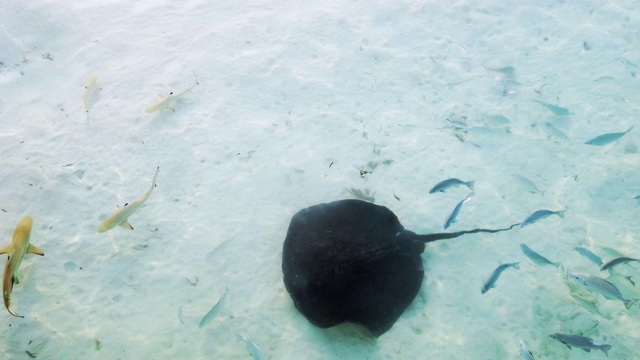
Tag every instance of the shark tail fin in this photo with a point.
(13, 312)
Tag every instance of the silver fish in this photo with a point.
(445, 184)
(496, 120)
(608, 138)
(537, 258)
(454, 214)
(251, 346)
(589, 255)
(554, 131)
(582, 342)
(604, 288)
(527, 184)
(590, 305)
(524, 351)
(214, 310)
(617, 261)
(556, 110)
(496, 274)
(541, 214)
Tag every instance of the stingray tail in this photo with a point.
(441, 236)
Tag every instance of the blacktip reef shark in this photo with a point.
(164, 103)
(89, 89)
(121, 216)
(15, 253)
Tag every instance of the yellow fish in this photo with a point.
(16, 250)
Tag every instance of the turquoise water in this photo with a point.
(294, 105)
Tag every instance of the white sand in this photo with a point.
(294, 98)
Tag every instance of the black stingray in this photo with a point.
(352, 261)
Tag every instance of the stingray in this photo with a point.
(352, 261)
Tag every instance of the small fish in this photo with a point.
(604, 288)
(604, 78)
(582, 342)
(527, 184)
(509, 85)
(491, 283)
(637, 197)
(589, 255)
(537, 258)
(214, 310)
(16, 251)
(496, 120)
(444, 185)
(617, 261)
(556, 110)
(164, 103)
(590, 305)
(626, 62)
(541, 214)
(507, 70)
(554, 131)
(524, 351)
(251, 346)
(121, 217)
(605, 139)
(89, 89)
(180, 315)
(454, 214)
(456, 124)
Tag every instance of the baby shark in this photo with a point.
(121, 216)
(16, 251)
(164, 103)
(89, 89)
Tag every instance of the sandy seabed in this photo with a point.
(294, 104)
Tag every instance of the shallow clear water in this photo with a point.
(293, 103)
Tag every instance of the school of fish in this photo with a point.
(590, 282)
(599, 286)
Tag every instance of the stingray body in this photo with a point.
(352, 261)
